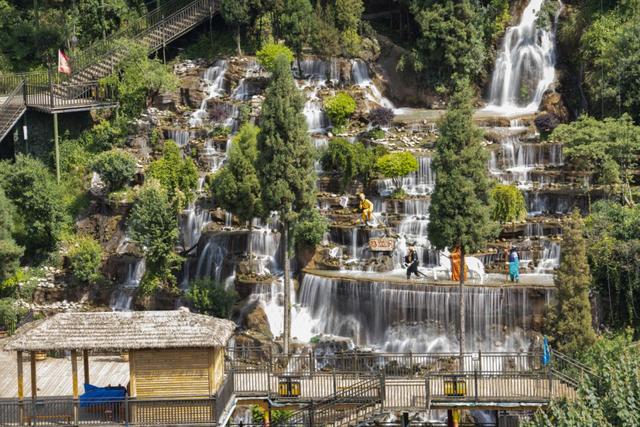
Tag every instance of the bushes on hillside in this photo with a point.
(177, 175)
(339, 108)
(381, 116)
(397, 165)
(211, 297)
(115, 167)
(270, 51)
(85, 258)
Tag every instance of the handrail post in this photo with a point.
(480, 360)
(475, 384)
(51, 99)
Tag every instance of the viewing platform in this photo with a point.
(398, 277)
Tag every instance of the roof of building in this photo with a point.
(122, 331)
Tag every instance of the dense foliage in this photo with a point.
(381, 116)
(178, 175)
(613, 236)
(310, 228)
(236, 14)
(236, 187)
(39, 200)
(85, 258)
(10, 252)
(611, 397)
(115, 167)
(350, 160)
(570, 320)
(153, 225)
(609, 149)
(212, 298)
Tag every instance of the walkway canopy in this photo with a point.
(109, 331)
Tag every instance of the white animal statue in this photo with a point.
(474, 266)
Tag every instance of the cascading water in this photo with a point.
(360, 77)
(214, 78)
(419, 319)
(525, 65)
(122, 298)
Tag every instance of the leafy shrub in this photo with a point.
(85, 258)
(107, 134)
(310, 228)
(546, 123)
(177, 175)
(38, 200)
(397, 165)
(9, 315)
(278, 416)
(153, 225)
(508, 203)
(210, 297)
(10, 252)
(349, 160)
(270, 51)
(115, 167)
(339, 108)
(381, 116)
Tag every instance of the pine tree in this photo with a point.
(285, 165)
(460, 209)
(236, 187)
(236, 13)
(571, 319)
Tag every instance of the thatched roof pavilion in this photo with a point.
(170, 352)
(135, 330)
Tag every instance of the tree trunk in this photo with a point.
(238, 40)
(286, 336)
(461, 304)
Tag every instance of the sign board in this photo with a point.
(382, 244)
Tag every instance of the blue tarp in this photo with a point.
(95, 395)
(546, 354)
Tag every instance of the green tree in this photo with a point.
(179, 176)
(137, 78)
(508, 203)
(571, 319)
(38, 200)
(613, 248)
(285, 165)
(212, 298)
(459, 209)
(115, 167)
(236, 187)
(153, 225)
(339, 108)
(10, 252)
(608, 148)
(396, 166)
(296, 23)
(269, 52)
(236, 13)
(310, 228)
(85, 258)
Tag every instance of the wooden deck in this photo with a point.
(54, 374)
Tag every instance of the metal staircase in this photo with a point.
(346, 408)
(81, 90)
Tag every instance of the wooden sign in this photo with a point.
(382, 244)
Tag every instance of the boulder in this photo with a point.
(553, 103)
(256, 320)
(191, 94)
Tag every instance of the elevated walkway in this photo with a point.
(81, 91)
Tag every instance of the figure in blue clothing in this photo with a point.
(514, 265)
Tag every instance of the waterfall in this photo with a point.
(317, 120)
(193, 220)
(122, 298)
(525, 65)
(421, 182)
(214, 78)
(316, 70)
(419, 319)
(360, 77)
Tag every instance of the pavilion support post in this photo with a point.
(74, 384)
(34, 388)
(85, 365)
(20, 388)
(57, 145)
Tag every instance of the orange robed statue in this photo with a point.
(455, 265)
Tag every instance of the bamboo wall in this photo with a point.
(187, 372)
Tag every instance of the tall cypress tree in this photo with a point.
(285, 165)
(459, 210)
(571, 319)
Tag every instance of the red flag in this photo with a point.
(63, 63)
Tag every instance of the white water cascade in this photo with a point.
(525, 65)
(214, 77)
(122, 298)
(360, 76)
